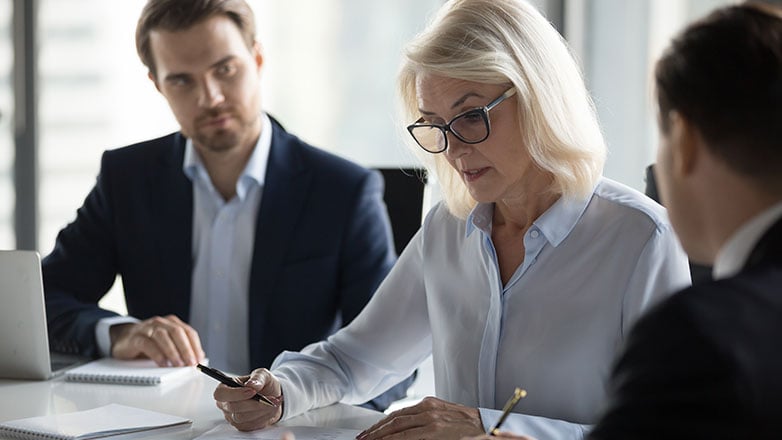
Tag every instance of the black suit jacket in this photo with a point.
(323, 244)
(707, 363)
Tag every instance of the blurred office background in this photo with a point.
(72, 86)
(71, 83)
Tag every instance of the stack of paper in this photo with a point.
(104, 421)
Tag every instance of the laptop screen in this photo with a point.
(24, 347)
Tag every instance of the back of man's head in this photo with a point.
(724, 75)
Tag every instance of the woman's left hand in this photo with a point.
(432, 418)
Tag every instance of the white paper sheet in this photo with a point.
(228, 432)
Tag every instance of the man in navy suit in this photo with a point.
(707, 362)
(234, 239)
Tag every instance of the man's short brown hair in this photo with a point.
(724, 75)
(177, 15)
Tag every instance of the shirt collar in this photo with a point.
(732, 257)
(254, 171)
(479, 218)
(555, 224)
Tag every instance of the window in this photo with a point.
(94, 95)
(618, 43)
(7, 237)
(331, 71)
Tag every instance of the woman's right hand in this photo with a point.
(238, 406)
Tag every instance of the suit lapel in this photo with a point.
(284, 195)
(172, 200)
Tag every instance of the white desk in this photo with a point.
(191, 398)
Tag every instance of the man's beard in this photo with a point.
(219, 141)
(222, 139)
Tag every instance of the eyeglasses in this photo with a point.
(470, 127)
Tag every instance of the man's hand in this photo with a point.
(166, 340)
(244, 413)
(431, 419)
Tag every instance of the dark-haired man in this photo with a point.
(707, 362)
(234, 239)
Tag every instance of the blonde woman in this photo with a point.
(530, 271)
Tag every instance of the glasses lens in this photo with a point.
(472, 126)
(430, 138)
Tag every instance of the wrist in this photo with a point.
(281, 400)
(117, 332)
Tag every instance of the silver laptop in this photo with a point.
(24, 344)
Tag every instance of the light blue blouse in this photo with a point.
(591, 267)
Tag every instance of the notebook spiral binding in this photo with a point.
(114, 379)
(25, 434)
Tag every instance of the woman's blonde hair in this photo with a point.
(501, 42)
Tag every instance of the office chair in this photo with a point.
(404, 198)
(699, 273)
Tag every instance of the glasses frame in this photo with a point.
(445, 128)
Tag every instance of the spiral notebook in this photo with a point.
(104, 421)
(134, 372)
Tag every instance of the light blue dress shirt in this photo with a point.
(223, 242)
(591, 267)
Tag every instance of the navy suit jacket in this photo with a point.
(323, 244)
(707, 363)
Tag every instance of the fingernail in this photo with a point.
(253, 383)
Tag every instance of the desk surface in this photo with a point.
(191, 398)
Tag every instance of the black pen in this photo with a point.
(518, 394)
(214, 373)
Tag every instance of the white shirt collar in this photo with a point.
(255, 170)
(732, 257)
